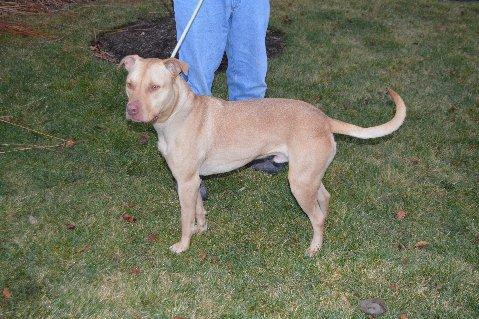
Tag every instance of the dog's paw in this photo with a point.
(198, 229)
(312, 250)
(201, 228)
(178, 248)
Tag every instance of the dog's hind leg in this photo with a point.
(323, 199)
(305, 174)
(305, 193)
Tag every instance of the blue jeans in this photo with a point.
(235, 26)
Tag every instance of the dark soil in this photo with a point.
(157, 39)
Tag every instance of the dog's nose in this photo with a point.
(133, 107)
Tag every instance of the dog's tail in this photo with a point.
(375, 131)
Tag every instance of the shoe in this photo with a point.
(203, 191)
(267, 165)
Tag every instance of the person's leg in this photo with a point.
(204, 45)
(247, 60)
(246, 49)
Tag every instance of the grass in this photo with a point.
(341, 56)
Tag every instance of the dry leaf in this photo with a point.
(129, 218)
(286, 19)
(135, 271)
(421, 244)
(202, 256)
(400, 215)
(7, 118)
(71, 226)
(229, 265)
(414, 160)
(84, 249)
(129, 205)
(6, 293)
(69, 143)
(403, 316)
(152, 238)
(144, 138)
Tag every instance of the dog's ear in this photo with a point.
(128, 62)
(176, 66)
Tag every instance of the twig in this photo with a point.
(25, 147)
(32, 130)
(31, 148)
(16, 144)
(34, 101)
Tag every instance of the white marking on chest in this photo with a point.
(162, 144)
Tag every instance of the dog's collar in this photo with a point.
(154, 119)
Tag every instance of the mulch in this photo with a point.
(156, 39)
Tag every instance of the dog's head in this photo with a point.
(150, 86)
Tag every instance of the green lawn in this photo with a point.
(340, 56)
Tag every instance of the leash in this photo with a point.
(187, 28)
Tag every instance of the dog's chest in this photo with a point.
(162, 144)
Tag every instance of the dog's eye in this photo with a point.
(154, 87)
(129, 85)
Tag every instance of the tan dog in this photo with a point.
(201, 135)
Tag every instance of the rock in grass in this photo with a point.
(373, 307)
(32, 220)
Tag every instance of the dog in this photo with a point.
(202, 135)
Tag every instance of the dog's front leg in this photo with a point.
(188, 191)
(201, 225)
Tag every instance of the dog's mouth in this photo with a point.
(134, 118)
(139, 118)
